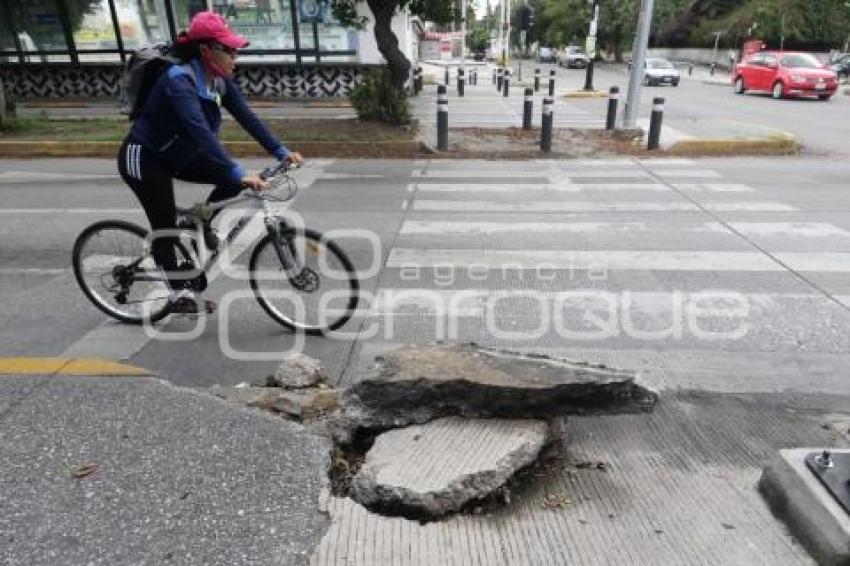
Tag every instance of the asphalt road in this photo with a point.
(820, 126)
(703, 269)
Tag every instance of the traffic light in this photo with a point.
(526, 18)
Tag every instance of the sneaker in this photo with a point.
(210, 237)
(184, 303)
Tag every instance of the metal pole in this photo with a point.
(655, 123)
(507, 88)
(591, 47)
(461, 80)
(613, 99)
(446, 81)
(536, 80)
(546, 134)
(494, 76)
(500, 79)
(442, 118)
(638, 58)
(552, 82)
(527, 108)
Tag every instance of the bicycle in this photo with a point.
(291, 269)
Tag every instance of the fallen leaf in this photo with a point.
(84, 470)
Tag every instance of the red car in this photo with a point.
(785, 73)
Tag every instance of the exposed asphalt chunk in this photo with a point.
(414, 384)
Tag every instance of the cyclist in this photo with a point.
(176, 137)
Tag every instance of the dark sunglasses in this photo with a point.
(224, 49)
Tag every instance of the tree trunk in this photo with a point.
(397, 64)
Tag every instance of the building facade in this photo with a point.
(77, 48)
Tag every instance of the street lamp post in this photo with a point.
(590, 47)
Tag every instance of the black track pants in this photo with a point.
(153, 184)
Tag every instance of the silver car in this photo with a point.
(659, 71)
(573, 57)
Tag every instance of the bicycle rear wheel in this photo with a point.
(116, 271)
(322, 294)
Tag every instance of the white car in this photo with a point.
(658, 71)
(573, 57)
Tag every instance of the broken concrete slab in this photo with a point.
(436, 468)
(813, 515)
(418, 383)
(301, 404)
(297, 372)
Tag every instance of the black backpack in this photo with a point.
(141, 72)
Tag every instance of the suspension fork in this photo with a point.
(283, 248)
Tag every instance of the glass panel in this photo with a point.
(92, 24)
(99, 57)
(185, 9)
(38, 24)
(142, 22)
(267, 24)
(7, 41)
(335, 37)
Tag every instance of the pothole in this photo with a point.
(435, 430)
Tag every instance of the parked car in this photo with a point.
(573, 57)
(785, 73)
(658, 71)
(546, 55)
(840, 65)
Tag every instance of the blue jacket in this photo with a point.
(181, 118)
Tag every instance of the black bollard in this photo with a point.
(711, 69)
(475, 77)
(546, 134)
(507, 83)
(500, 78)
(461, 81)
(552, 82)
(446, 81)
(527, 108)
(442, 118)
(690, 70)
(613, 99)
(536, 80)
(494, 76)
(417, 80)
(655, 123)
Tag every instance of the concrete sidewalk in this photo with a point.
(132, 470)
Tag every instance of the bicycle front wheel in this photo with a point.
(115, 270)
(320, 291)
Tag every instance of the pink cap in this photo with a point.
(209, 25)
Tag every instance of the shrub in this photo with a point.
(376, 99)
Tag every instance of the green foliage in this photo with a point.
(476, 40)
(376, 99)
(804, 24)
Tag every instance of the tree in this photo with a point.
(477, 39)
(398, 67)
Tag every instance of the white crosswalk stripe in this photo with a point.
(493, 244)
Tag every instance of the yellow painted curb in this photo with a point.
(68, 366)
(585, 94)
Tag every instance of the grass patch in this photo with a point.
(290, 131)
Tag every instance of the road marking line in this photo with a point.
(67, 366)
(16, 211)
(524, 187)
(766, 229)
(837, 262)
(32, 271)
(426, 205)
(469, 302)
